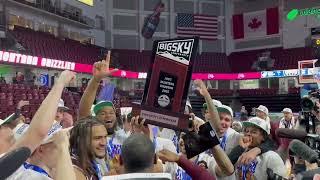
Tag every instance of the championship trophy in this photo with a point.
(167, 83)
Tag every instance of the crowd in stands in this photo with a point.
(100, 143)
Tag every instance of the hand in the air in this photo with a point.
(139, 127)
(201, 87)
(101, 68)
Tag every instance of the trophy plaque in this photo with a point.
(167, 83)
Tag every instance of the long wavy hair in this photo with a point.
(80, 142)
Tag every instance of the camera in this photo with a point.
(310, 103)
(308, 119)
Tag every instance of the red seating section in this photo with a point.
(134, 60)
(257, 92)
(11, 94)
(284, 58)
(220, 92)
(294, 90)
(46, 45)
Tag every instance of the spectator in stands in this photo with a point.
(41, 123)
(19, 78)
(288, 121)
(2, 80)
(221, 119)
(88, 141)
(237, 126)
(256, 131)
(263, 112)
(67, 120)
(243, 114)
(253, 111)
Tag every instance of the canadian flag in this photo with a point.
(256, 24)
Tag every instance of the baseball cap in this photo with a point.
(256, 121)
(288, 110)
(217, 103)
(7, 119)
(263, 109)
(22, 128)
(226, 109)
(19, 130)
(62, 106)
(100, 105)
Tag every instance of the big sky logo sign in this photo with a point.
(177, 50)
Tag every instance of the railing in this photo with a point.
(45, 5)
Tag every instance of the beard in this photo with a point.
(111, 130)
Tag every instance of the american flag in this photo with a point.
(204, 26)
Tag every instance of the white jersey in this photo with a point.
(258, 168)
(230, 140)
(27, 174)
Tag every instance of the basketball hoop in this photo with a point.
(308, 73)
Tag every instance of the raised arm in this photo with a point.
(224, 165)
(214, 115)
(44, 117)
(64, 167)
(100, 70)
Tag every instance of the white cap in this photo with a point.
(257, 122)
(225, 108)
(216, 102)
(22, 128)
(19, 130)
(61, 105)
(7, 119)
(263, 109)
(287, 110)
